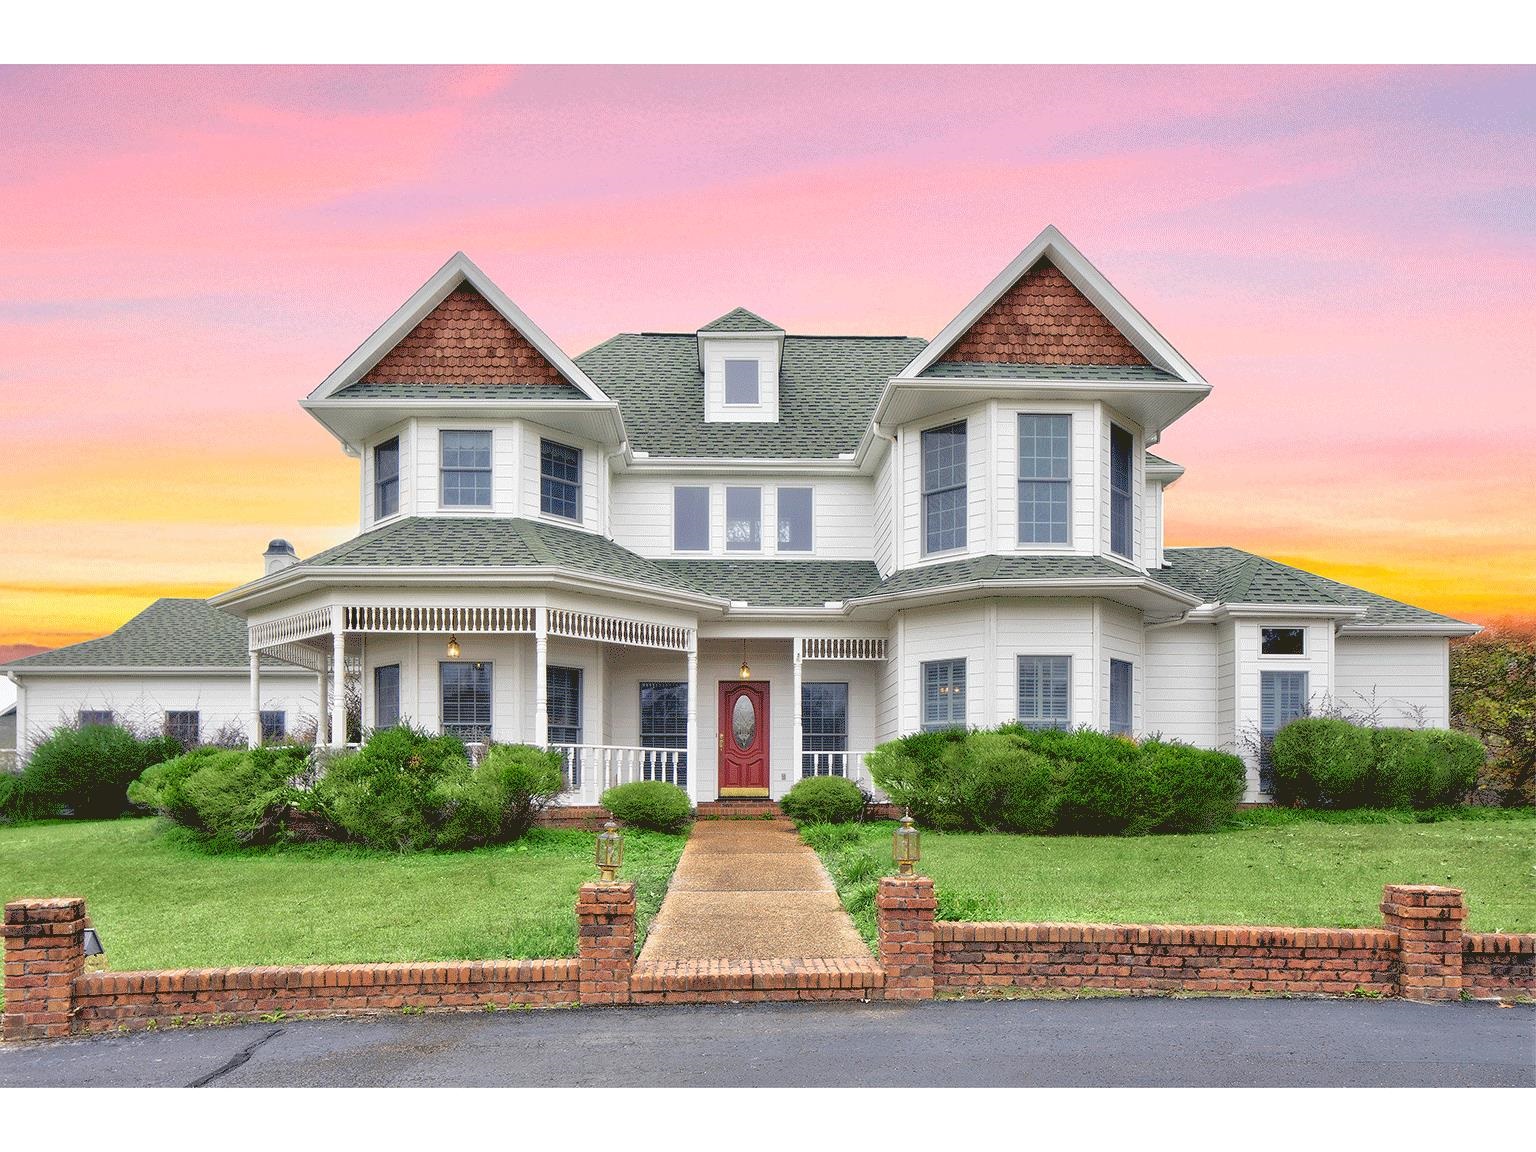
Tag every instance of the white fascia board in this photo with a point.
(777, 334)
(1448, 630)
(976, 390)
(1285, 611)
(552, 412)
(1164, 474)
(1088, 280)
(1078, 587)
(825, 465)
(459, 269)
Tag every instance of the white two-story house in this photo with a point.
(734, 556)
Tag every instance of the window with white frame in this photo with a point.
(386, 478)
(386, 696)
(466, 469)
(1045, 691)
(1282, 698)
(664, 725)
(466, 689)
(944, 482)
(690, 519)
(559, 480)
(184, 727)
(1120, 475)
(741, 382)
(795, 519)
(274, 726)
(563, 704)
(823, 729)
(1045, 479)
(744, 519)
(1283, 641)
(1120, 679)
(94, 718)
(943, 688)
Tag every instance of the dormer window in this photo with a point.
(742, 382)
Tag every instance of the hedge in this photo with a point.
(652, 804)
(83, 772)
(824, 800)
(1322, 763)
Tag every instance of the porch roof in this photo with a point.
(1003, 569)
(779, 583)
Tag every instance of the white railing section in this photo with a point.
(401, 618)
(590, 769)
(617, 630)
(298, 653)
(848, 764)
(287, 629)
(842, 648)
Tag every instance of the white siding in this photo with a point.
(884, 521)
(1316, 662)
(1181, 692)
(1043, 628)
(1006, 477)
(1121, 638)
(407, 486)
(1402, 677)
(594, 477)
(719, 349)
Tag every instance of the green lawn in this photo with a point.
(161, 901)
(1270, 868)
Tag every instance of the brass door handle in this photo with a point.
(721, 737)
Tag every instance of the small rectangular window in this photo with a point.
(664, 725)
(98, 718)
(1045, 691)
(466, 469)
(1120, 474)
(943, 689)
(560, 480)
(1045, 479)
(824, 729)
(944, 481)
(690, 519)
(274, 726)
(1283, 641)
(466, 689)
(1282, 698)
(794, 519)
(386, 696)
(1120, 674)
(563, 704)
(744, 519)
(741, 382)
(386, 478)
(184, 727)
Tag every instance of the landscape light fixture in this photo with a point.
(905, 846)
(453, 647)
(610, 851)
(92, 943)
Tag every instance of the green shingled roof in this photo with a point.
(371, 390)
(170, 633)
(778, 583)
(828, 387)
(740, 320)
(1010, 569)
(1116, 373)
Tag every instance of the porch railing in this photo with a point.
(814, 762)
(591, 769)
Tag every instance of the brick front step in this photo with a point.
(738, 809)
(709, 981)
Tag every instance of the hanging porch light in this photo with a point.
(453, 647)
(745, 669)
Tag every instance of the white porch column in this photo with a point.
(799, 643)
(693, 715)
(338, 679)
(322, 714)
(541, 680)
(255, 733)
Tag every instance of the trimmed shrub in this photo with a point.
(824, 800)
(1459, 762)
(389, 793)
(652, 804)
(500, 799)
(85, 771)
(231, 796)
(1191, 789)
(1323, 763)
(919, 773)
(1106, 791)
(1405, 768)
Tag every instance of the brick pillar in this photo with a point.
(44, 953)
(1428, 922)
(606, 943)
(904, 915)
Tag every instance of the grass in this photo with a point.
(161, 900)
(1268, 867)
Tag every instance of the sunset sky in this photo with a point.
(1347, 255)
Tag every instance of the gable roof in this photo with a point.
(170, 633)
(740, 320)
(828, 388)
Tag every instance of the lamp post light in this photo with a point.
(905, 846)
(610, 851)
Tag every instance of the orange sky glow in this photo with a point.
(1346, 254)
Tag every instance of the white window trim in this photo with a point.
(709, 521)
(778, 547)
(1067, 545)
(465, 509)
(580, 519)
(491, 664)
(1020, 656)
(761, 548)
(1129, 554)
(725, 372)
(373, 465)
(1287, 657)
(961, 549)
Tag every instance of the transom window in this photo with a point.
(386, 695)
(386, 478)
(94, 718)
(744, 519)
(1120, 445)
(1120, 677)
(690, 519)
(1045, 479)
(1045, 691)
(466, 469)
(824, 729)
(943, 694)
(274, 726)
(560, 480)
(1282, 698)
(466, 700)
(794, 519)
(664, 724)
(184, 727)
(563, 705)
(741, 382)
(1283, 641)
(944, 488)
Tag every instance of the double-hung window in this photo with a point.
(1045, 479)
(386, 696)
(944, 488)
(466, 700)
(1045, 691)
(690, 519)
(466, 469)
(184, 727)
(824, 729)
(1120, 473)
(1282, 698)
(943, 687)
(274, 726)
(98, 718)
(559, 480)
(744, 519)
(563, 704)
(794, 519)
(1120, 678)
(386, 478)
(664, 730)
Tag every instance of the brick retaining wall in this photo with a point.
(1498, 964)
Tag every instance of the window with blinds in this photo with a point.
(943, 689)
(1045, 691)
(1282, 698)
(466, 700)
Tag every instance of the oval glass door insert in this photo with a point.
(743, 721)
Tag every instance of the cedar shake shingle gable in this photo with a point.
(1043, 319)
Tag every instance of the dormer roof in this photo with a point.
(740, 320)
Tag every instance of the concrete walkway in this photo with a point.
(749, 890)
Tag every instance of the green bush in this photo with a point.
(85, 771)
(1459, 762)
(1191, 789)
(160, 787)
(1106, 789)
(390, 792)
(649, 804)
(500, 799)
(824, 800)
(1405, 769)
(1324, 763)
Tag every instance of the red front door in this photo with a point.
(743, 738)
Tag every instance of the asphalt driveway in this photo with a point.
(948, 1043)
